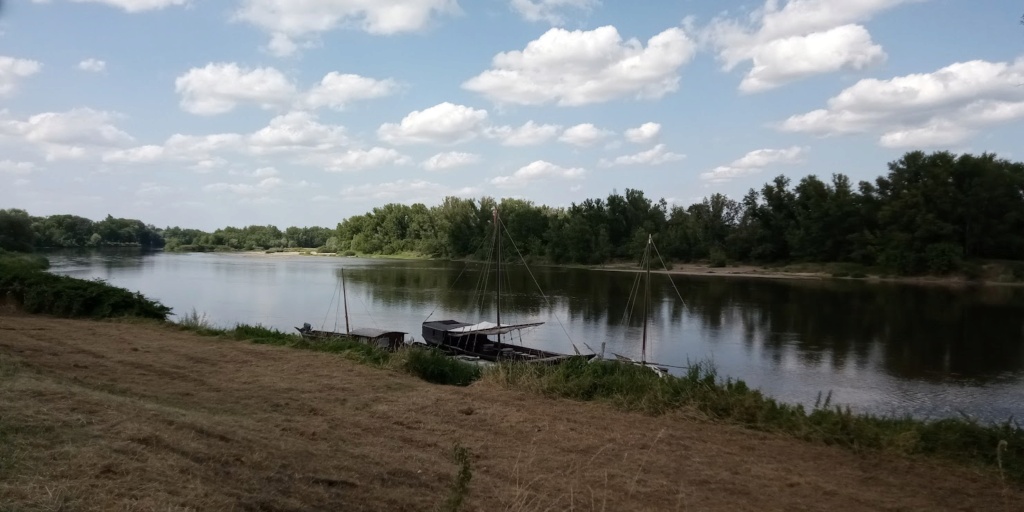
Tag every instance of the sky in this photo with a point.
(204, 113)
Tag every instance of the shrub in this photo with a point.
(434, 366)
(942, 258)
(718, 258)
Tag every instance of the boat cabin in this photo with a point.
(389, 340)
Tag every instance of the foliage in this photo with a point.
(930, 213)
(73, 231)
(36, 291)
(16, 231)
(434, 366)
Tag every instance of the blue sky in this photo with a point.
(204, 114)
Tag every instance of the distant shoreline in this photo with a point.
(698, 269)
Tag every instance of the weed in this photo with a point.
(460, 485)
(195, 321)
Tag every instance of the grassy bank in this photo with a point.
(634, 388)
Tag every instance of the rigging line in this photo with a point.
(542, 294)
(634, 289)
(452, 285)
(329, 304)
(667, 274)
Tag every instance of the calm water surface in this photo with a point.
(880, 348)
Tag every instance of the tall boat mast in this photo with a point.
(647, 298)
(497, 236)
(344, 296)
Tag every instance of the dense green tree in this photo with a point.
(16, 231)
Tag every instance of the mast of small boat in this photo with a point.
(497, 236)
(647, 299)
(344, 296)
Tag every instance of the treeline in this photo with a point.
(23, 233)
(929, 214)
(247, 238)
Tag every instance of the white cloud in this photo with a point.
(136, 155)
(444, 123)
(360, 159)
(450, 160)
(655, 156)
(529, 134)
(753, 163)
(133, 5)
(245, 189)
(644, 134)
(336, 90)
(66, 135)
(296, 131)
(14, 70)
(265, 172)
(572, 68)
(786, 60)
(288, 20)
(537, 170)
(583, 135)
(152, 190)
(800, 39)
(549, 10)
(406, 191)
(925, 109)
(12, 167)
(219, 87)
(92, 65)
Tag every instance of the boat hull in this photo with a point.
(437, 335)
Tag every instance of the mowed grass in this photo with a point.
(635, 388)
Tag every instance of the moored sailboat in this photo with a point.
(381, 338)
(474, 340)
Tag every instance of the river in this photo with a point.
(881, 348)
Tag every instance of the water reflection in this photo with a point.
(880, 347)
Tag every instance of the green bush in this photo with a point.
(943, 258)
(718, 258)
(41, 292)
(434, 366)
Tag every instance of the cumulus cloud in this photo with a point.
(66, 135)
(584, 135)
(537, 170)
(337, 90)
(13, 70)
(92, 65)
(450, 160)
(362, 159)
(406, 191)
(799, 39)
(290, 22)
(655, 156)
(294, 133)
(444, 123)
(643, 134)
(550, 10)
(136, 5)
(923, 109)
(218, 88)
(753, 163)
(572, 68)
(529, 134)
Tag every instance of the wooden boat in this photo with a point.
(474, 340)
(380, 338)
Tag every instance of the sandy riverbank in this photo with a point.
(113, 416)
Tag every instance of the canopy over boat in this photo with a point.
(488, 328)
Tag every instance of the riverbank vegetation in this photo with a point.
(937, 213)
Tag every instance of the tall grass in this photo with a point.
(633, 387)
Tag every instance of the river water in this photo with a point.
(927, 351)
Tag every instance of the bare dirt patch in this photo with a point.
(109, 416)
